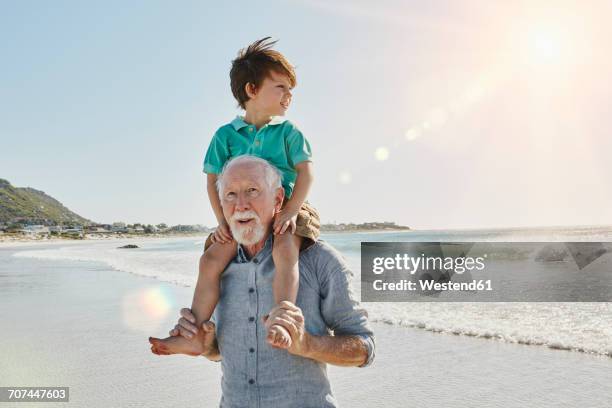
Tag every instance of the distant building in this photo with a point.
(35, 230)
(98, 229)
(75, 232)
(118, 227)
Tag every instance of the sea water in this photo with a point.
(577, 326)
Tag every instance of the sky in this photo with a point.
(435, 115)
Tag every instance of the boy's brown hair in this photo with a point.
(254, 64)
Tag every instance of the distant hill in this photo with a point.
(27, 205)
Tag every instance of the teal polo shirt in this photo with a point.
(280, 142)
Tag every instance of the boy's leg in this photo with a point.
(205, 297)
(212, 264)
(285, 253)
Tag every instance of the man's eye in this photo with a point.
(230, 196)
(252, 191)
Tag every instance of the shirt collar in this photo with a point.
(239, 122)
(241, 256)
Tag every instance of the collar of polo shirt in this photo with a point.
(239, 122)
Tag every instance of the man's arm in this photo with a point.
(341, 350)
(348, 351)
(340, 309)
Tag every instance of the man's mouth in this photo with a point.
(244, 221)
(285, 105)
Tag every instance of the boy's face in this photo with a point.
(273, 96)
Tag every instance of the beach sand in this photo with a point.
(80, 324)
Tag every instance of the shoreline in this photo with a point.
(6, 240)
(441, 327)
(18, 241)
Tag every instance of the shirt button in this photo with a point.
(257, 143)
(250, 129)
(251, 381)
(251, 350)
(255, 260)
(251, 319)
(251, 290)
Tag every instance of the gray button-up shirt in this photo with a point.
(254, 373)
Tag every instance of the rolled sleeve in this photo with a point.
(371, 347)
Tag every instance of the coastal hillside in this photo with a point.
(27, 205)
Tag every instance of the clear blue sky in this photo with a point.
(458, 115)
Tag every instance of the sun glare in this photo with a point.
(546, 45)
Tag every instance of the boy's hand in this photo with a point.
(285, 220)
(222, 234)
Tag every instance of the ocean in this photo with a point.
(578, 326)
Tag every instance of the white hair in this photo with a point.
(273, 176)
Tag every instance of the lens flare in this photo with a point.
(412, 134)
(345, 177)
(546, 45)
(381, 153)
(146, 309)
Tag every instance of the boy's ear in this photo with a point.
(250, 90)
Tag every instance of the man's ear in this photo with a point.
(278, 199)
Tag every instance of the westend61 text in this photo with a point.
(429, 285)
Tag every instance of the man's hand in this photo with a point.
(186, 328)
(291, 318)
(222, 233)
(285, 220)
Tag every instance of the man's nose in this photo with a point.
(242, 202)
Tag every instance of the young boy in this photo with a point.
(261, 82)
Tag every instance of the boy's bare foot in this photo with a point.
(178, 345)
(279, 337)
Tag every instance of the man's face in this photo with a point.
(248, 203)
(274, 95)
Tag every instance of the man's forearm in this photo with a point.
(342, 350)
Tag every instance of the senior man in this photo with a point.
(327, 325)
